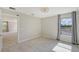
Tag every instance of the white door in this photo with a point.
(0, 32)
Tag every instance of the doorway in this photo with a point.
(9, 29)
(66, 25)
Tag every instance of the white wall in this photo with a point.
(49, 27)
(12, 25)
(29, 27)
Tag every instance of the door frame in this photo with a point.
(59, 21)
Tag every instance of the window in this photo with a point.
(66, 26)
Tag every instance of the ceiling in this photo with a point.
(36, 11)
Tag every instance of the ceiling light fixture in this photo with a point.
(44, 9)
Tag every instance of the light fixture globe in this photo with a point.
(44, 9)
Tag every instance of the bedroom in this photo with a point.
(37, 29)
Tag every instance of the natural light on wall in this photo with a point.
(60, 47)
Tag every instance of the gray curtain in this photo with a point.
(58, 33)
(74, 28)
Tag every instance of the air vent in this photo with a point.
(12, 8)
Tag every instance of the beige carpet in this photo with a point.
(34, 45)
(9, 39)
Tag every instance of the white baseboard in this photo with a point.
(33, 37)
(48, 36)
(36, 36)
